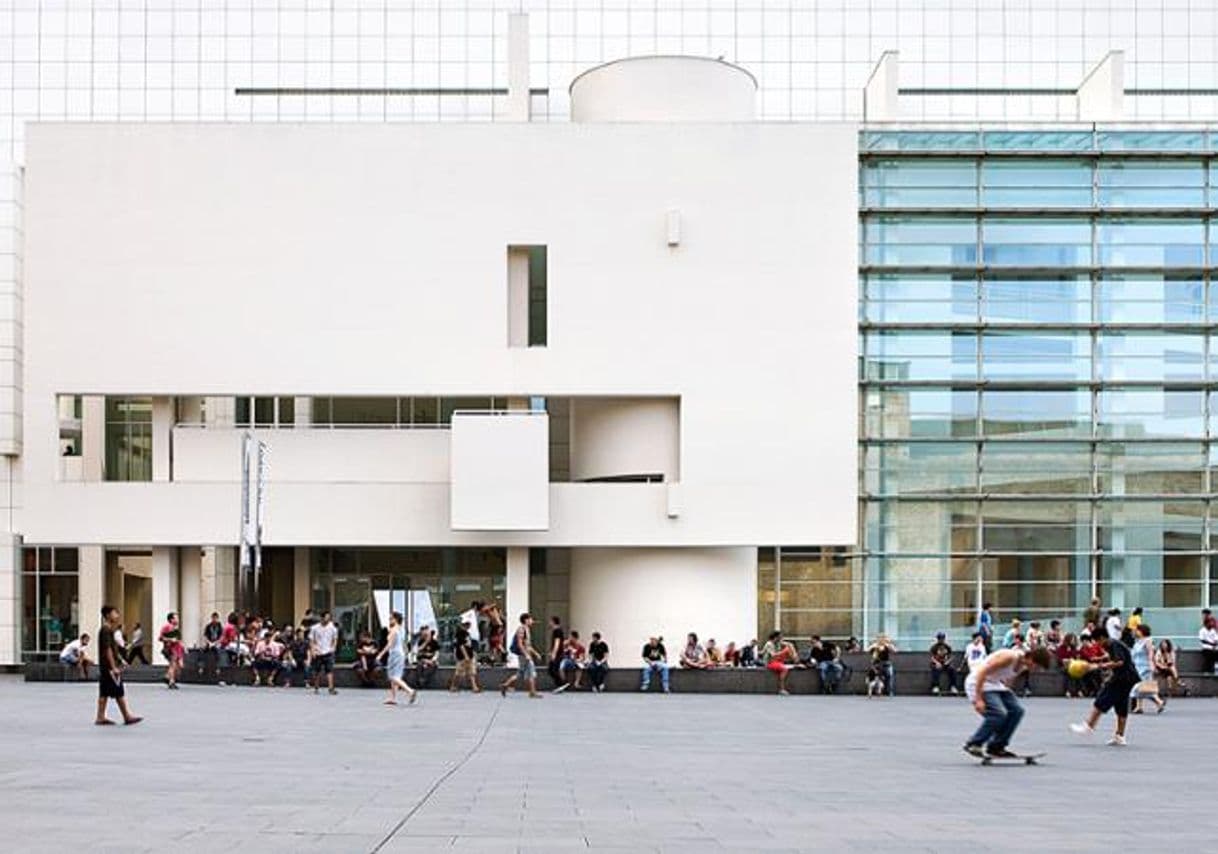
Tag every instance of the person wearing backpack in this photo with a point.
(526, 658)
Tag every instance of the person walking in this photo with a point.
(394, 656)
(1114, 695)
(1143, 661)
(136, 648)
(526, 658)
(323, 644)
(170, 638)
(467, 664)
(558, 640)
(110, 677)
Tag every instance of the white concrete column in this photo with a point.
(92, 592)
(1101, 95)
(162, 436)
(218, 576)
(164, 586)
(881, 98)
(190, 562)
(93, 438)
(518, 68)
(303, 411)
(10, 589)
(516, 595)
(302, 582)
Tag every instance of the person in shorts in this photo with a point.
(110, 662)
(526, 658)
(323, 644)
(465, 651)
(1114, 695)
(73, 656)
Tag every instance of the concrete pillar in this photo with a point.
(190, 561)
(303, 412)
(881, 99)
(1101, 95)
(93, 437)
(516, 595)
(10, 590)
(165, 587)
(218, 576)
(518, 68)
(162, 437)
(302, 582)
(91, 592)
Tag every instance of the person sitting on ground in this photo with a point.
(1165, 668)
(268, 655)
(1053, 637)
(693, 656)
(366, 664)
(598, 662)
(655, 660)
(73, 656)
(1067, 651)
(882, 650)
(731, 655)
(425, 651)
(824, 656)
(941, 665)
(780, 659)
(574, 660)
(714, 656)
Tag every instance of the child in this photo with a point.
(1115, 693)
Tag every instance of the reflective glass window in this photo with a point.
(909, 298)
(1036, 526)
(920, 467)
(1133, 468)
(1035, 140)
(1150, 526)
(1137, 413)
(1040, 299)
(128, 438)
(921, 527)
(1036, 183)
(1151, 183)
(364, 411)
(1151, 140)
(1036, 413)
(1035, 355)
(921, 140)
(1034, 585)
(921, 355)
(1041, 467)
(1151, 242)
(919, 413)
(1150, 298)
(919, 183)
(1036, 242)
(1156, 356)
(920, 241)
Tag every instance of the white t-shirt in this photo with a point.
(73, 651)
(995, 680)
(1208, 638)
(1113, 627)
(118, 639)
(471, 617)
(323, 638)
(973, 653)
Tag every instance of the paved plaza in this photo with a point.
(215, 769)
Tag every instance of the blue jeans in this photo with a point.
(1003, 712)
(830, 675)
(889, 677)
(649, 668)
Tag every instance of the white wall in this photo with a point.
(664, 89)
(617, 437)
(500, 472)
(352, 259)
(629, 594)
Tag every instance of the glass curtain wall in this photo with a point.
(50, 601)
(1038, 373)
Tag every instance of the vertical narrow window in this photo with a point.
(527, 298)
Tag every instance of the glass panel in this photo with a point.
(1150, 526)
(1151, 242)
(1167, 586)
(1151, 183)
(923, 467)
(913, 598)
(921, 140)
(449, 405)
(920, 241)
(322, 411)
(287, 411)
(912, 298)
(129, 438)
(264, 411)
(1040, 526)
(1036, 140)
(1158, 468)
(1041, 468)
(1039, 299)
(919, 183)
(921, 355)
(1158, 356)
(1150, 298)
(1036, 183)
(242, 411)
(1148, 140)
(425, 410)
(1039, 242)
(364, 411)
(1038, 413)
(70, 437)
(1041, 356)
(818, 596)
(1041, 587)
(50, 606)
(903, 413)
(921, 527)
(1141, 413)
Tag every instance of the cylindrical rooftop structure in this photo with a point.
(664, 89)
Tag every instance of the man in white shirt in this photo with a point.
(73, 655)
(1112, 626)
(323, 644)
(974, 652)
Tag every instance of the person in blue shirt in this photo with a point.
(985, 626)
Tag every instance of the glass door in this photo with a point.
(352, 596)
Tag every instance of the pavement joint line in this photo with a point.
(435, 787)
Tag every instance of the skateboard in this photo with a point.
(1025, 758)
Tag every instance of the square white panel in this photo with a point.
(500, 470)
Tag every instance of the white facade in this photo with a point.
(210, 261)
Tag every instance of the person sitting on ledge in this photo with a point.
(425, 651)
(714, 656)
(731, 655)
(827, 660)
(655, 660)
(571, 667)
(694, 656)
(748, 654)
(780, 659)
(941, 665)
(268, 655)
(366, 664)
(73, 656)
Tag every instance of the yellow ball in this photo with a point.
(1077, 668)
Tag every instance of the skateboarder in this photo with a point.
(988, 688)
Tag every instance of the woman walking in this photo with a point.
(1143, 660)
(170, 637)
(395, 652)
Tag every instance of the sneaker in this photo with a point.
(1001, 753)
(955, 691)
(1081, 729)
(974, 750)
(935, 691)
(1117, 741)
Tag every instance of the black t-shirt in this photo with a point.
(941, 652)
(824, 653)
(462, 645)
(427, 651)
(880, 653)
(1124, 670)
(105, 640)
(212, 631)
(599, 650)
(654, 653)
(557, 634)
